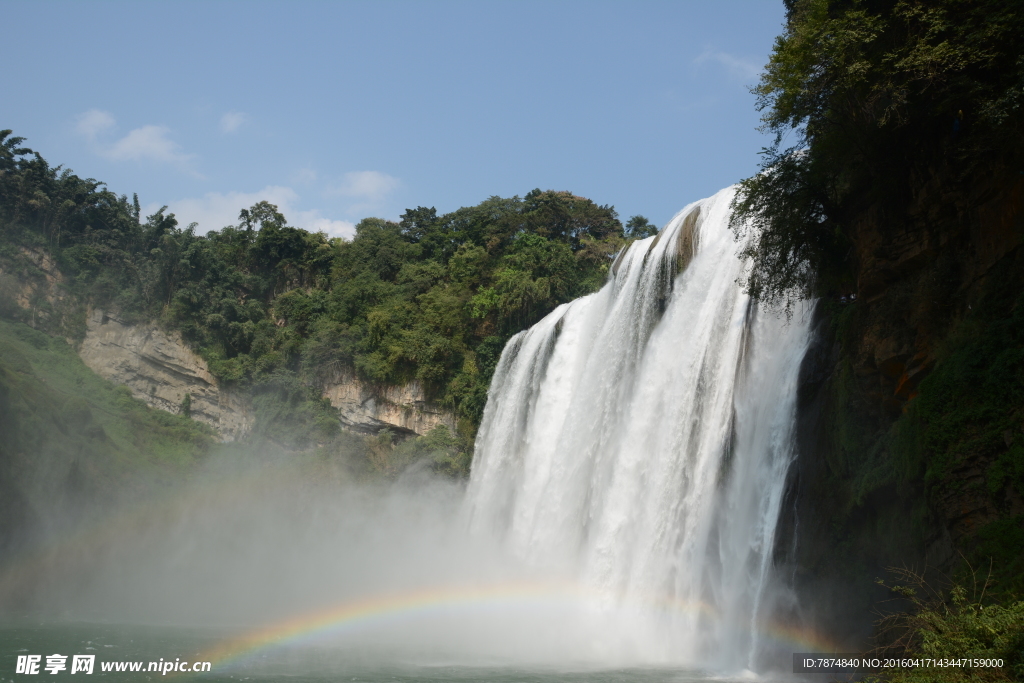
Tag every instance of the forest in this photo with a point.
(892, 195)
(269, 306)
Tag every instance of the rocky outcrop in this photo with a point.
(921, 271)
(160, 369)
(832, 549)
(364, 408)
(32, 289)
(46, 281)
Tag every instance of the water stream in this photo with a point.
(638, 440)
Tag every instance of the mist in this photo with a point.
(259, 537)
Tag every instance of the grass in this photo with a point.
(58, 410)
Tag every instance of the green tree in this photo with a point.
(865, 99)
(431, 298)
(639, 227)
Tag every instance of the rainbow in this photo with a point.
(365, 612)
(370, 611)
(355, 614)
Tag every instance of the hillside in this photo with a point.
(69, 440)
(893, 194)
(307, 334)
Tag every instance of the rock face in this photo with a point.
(160, 369)
(920, 272)
(46, 283)
(368, 409)
(30, 281)
(856, 504)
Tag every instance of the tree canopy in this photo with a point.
(431, 298)
(867, 98)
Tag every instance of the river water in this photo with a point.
(112, 644)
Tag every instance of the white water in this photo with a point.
(637, 441)
(629, 475)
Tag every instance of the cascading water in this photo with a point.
(629, 475)
(638, 439)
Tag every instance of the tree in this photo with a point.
(638, 227)
(877, 95)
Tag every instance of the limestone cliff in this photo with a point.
(160, 369)
(365, 408)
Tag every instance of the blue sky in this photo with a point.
(340, 110)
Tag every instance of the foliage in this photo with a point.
(969, 412)
(439, 447)
(639, 227)
(971, 408)
(429, 299)
(878, 96)
(953, 628)
(67, 435)
(890, 119)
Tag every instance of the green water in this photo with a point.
(352, 663)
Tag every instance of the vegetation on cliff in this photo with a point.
(892, 193)
(869, 101)
(68, 438)
(431, 298)
(956, 626)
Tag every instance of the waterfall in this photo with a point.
(638, 439)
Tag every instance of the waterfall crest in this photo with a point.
(638, 439)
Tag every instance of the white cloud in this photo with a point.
(232, 121)
(214, 210)
(314, 222)
(147, 142)
(150, 142)
(736, 66)
(94, 122)
(372, 187)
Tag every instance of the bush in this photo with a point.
(952, 626)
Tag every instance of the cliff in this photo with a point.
(910, 422)
(33, 289)
(160, 369)
(364, 408)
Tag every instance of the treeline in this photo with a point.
(431, 298)
(870, 102)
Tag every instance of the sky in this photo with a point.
(336, 111)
